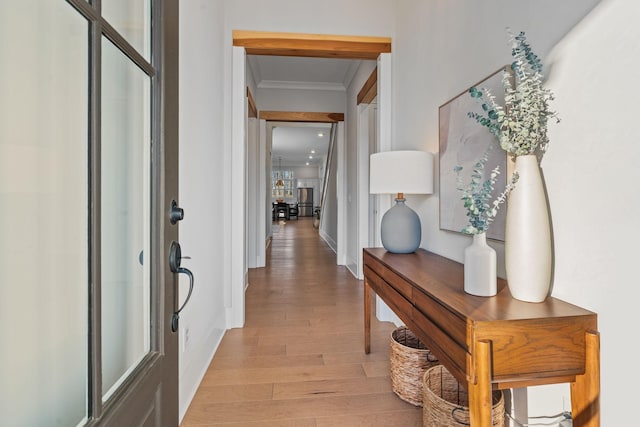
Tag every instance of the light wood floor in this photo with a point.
(299, 360)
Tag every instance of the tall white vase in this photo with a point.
(528, 234)
(480, 267)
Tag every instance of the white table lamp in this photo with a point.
(400, 173)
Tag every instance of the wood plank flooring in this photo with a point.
(299, 360)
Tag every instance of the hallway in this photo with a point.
(299, 360)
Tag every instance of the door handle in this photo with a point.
(176, 315)
(175, 256)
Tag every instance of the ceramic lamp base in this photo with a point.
(400, 230)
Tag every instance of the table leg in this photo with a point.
(480, 393)
(585, 391)
(367, 317)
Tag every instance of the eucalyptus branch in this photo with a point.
(478, 193)
(521, 124)
(503, 196)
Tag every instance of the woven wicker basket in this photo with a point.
(409, 361)
(446, 402)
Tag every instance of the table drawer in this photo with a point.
(453, 355)
(392, 279)
(446, 320)
(396, 301)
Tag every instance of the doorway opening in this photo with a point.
(299, 45)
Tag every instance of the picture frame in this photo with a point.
(462, 142)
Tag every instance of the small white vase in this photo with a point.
(528, 234)
(480, 267)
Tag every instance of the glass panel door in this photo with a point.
(44, 202)
(125, 216)
(86, 296)
(131, 18)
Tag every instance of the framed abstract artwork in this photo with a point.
(462, 142)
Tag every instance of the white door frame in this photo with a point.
(263, 184)
(383, 312)
(382, 121)
(234, 238)
(364, 115)
(234, 235)
(253, 193)
(383, 129)
(341, 195)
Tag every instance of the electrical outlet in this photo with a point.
(185, 338)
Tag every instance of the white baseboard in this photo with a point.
(332, 243)
(197, 373)
(352, 266)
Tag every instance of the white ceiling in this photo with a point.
(298, 72)
(296, 144)
(293, 142)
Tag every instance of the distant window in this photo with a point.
(287, 189)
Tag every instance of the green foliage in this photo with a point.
(521, 124)
(477, 195)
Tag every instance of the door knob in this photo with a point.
(176, 213)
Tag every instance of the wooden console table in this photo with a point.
(488, 343)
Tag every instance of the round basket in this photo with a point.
(446, 402)
(409, 361)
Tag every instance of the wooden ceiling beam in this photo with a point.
(369, 90)
(301, 116)
(311, 45)
(253, 110)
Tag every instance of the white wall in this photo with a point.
(300, 100)
(304, 173)
(592, 192)
(441, 48)
(309, 16)
(201, 175)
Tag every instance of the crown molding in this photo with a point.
(278, 84)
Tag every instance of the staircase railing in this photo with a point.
(328, 164)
